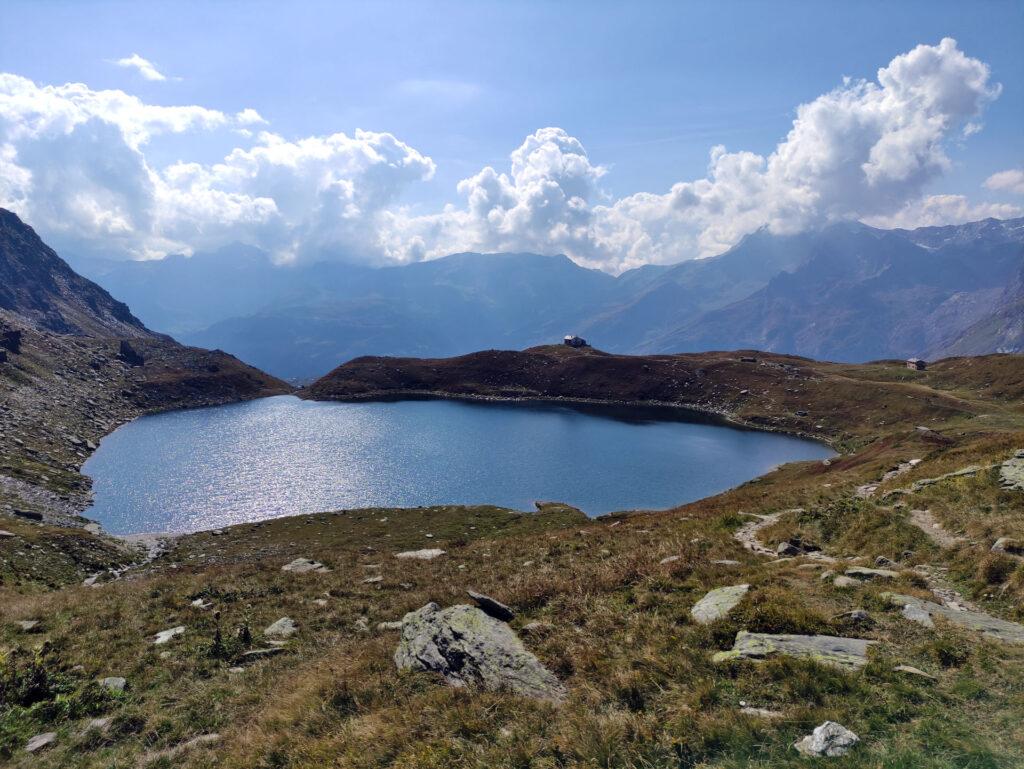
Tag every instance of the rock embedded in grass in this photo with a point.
(922, 611)
(166, 635)
(114, 683)
(867, 575)
(426, 554)
(469, 648)
(285, 627)
(845, 653)
(717, 603)
(829, 739)
(305, 566)
(41, 742)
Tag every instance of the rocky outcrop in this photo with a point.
(1011, 473)
(717, 603)
(846, 653)
(922, 612)
(469, 648)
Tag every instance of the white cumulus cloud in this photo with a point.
(1011, 180)
(75, 163)
(144, 67)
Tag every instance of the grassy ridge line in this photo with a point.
(841, 404)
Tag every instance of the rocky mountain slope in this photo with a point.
(74, 364)
(846, 292)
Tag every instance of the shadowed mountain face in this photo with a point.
(846, 292)
(39, 288)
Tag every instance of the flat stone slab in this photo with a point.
(845, 653)
(717, 603)
(305, 566)
(166, 635)
(426, 554)
(469, 648)
(867, 575)
(918, 609)
(41, 742)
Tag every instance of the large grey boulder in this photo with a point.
(922, 612)
(845, 653)
(717, 603)
(469, 648)
(829, 739)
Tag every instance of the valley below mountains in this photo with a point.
(847, 293)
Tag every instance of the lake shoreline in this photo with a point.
(554, 476)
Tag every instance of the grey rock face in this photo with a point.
(846, 653)
(114, 683)
(304, 566)
(40, 742)
(469, 648)
(829, 739)
(166, 635)
(1011, 473)
(492, 607)
(923, 611)
(717, 603)
(283, 628)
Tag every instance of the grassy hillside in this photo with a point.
(612, 596)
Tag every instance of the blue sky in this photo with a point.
(646, 88)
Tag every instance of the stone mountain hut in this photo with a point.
(571, 340)
(917, 364)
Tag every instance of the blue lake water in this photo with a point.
(206, 468)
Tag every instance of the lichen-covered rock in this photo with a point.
(922, 611)
(717, 603)
(846, 653)
(829, 739)
(469, 648)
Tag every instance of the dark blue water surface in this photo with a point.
(206, 468)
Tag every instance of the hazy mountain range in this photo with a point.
(846, 292)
